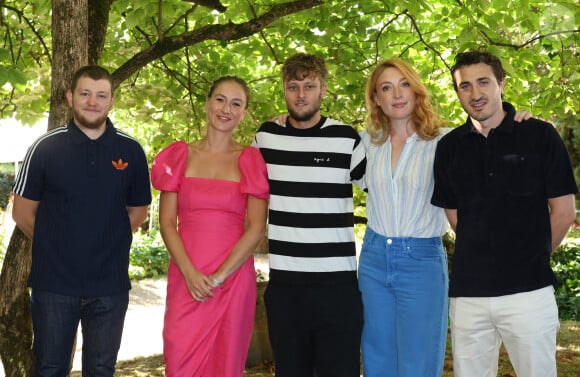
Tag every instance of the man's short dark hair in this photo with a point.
(94, 72)
(475, 57)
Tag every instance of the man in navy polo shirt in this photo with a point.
(508, 192)
(82, 190)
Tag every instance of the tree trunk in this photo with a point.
(70, 51)
(70, 48)
(98, 22)
(15, 323)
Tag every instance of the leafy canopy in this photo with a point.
(164, 100)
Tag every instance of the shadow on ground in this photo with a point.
(153, 366)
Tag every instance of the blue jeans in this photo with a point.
(55, 320)
(404, 284)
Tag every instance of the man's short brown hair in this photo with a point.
(300, 66)
(94, 72)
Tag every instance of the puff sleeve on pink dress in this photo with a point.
(169, 166)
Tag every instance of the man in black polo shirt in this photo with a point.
(81, 191)
(508, 192)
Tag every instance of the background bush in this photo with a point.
(149, 257)
(6, 184)
(566, 265)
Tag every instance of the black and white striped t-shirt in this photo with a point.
(311, 220)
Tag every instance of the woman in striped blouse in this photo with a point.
(403, 266)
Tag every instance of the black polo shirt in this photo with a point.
(500, 186)
(82, 232)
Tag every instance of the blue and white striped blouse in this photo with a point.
(398, 204)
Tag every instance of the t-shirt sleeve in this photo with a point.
(558, 168)
(169, 166)
(366, 142)
(30, 180)
(358, 162)
(443, 195)
(254, 180)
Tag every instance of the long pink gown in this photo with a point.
(211, 338)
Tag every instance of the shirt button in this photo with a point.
(389, 241)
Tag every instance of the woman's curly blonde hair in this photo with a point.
(426, 121)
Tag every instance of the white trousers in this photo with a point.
(527, 323)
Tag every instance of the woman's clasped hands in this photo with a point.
(201, 286)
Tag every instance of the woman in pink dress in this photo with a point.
(212, 214)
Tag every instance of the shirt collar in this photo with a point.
(79, 136)
(414, 137)
(506, 125)
(316, 126)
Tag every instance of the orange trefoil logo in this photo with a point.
(120, 165)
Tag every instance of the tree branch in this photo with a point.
(211, 4)
(416, 27)
(221, 32)
(160, 35)
(263, 36)
(532, 40)
(182, 17)
(380, 33)
(31, 25)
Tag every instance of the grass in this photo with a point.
(568, 359)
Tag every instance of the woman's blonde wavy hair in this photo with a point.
(426, 121)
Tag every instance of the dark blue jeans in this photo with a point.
(55, 320)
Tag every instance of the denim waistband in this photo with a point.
(373, 238)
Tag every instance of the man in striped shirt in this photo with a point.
(313, 303)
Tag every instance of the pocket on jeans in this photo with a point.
(425, 252)
(370, 253)
(371, 262)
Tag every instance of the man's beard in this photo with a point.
(480, 116)
(304, 116)
(90, 124)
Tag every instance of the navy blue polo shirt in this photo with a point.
(500, 186)
(82, 232)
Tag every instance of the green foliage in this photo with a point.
(566, 265)
(6, 184)
(149, 257)
(164, 100)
